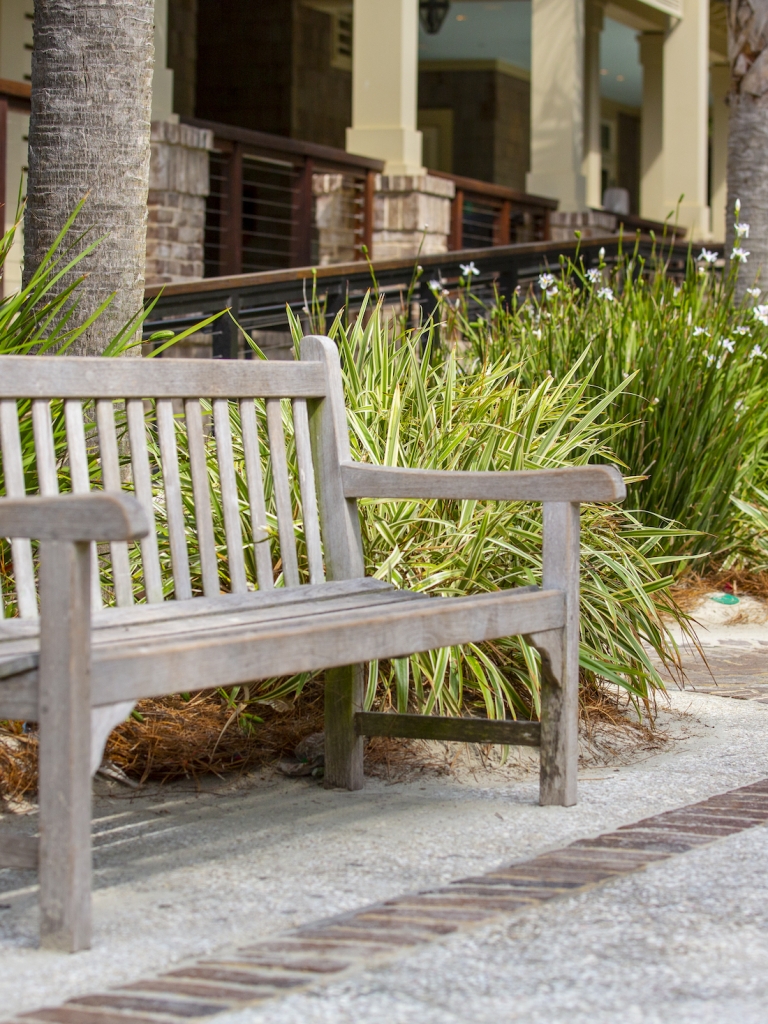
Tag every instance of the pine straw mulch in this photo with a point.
(178, 738)
(692, 587)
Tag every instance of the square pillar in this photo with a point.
(651, 127)
(162, 76)
(686, 117)
(593, 154)
(385, 76)
(557, 102)
(720, 78)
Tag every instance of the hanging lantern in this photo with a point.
(433, 13)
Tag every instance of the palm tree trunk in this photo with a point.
(748, 136)
(89, 133)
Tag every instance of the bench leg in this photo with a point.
(65, 737)
(560, 659)
(343, 747)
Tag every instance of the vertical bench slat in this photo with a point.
(166, 429)
(110, 469)
(282, 493)
(228, 484)
(308, 493)
(202, 495)
(44, 448)
(142, 482)
(81, 481)
(13, 473)
(250, 432)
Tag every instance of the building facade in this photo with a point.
(580, 100)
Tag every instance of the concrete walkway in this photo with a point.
(181, 875)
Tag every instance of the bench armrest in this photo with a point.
(576, 483)
(74, 517)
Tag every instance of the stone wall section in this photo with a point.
(411, 214)
(178, 185)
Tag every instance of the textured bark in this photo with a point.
(748, 135)
(89, 133)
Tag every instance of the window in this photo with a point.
(341, 41)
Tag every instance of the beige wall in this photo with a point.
(15, 64)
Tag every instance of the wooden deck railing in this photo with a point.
(13, 96)
(269, 198)
(484, 214)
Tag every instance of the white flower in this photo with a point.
(708, 256)
(654, 401)
(537, 334)
(761, 313)
(601, 254)
(546, 281)
(754, 292)
(552, 292)
(594, 276)
(605, 293)
(741, 330)
(468, 269)
(737, 208)
(698, 331)
(757, 353)
(739, 254)
(727, 344)
(436, 287)
(676, 290)
(742, 230)
(739, 405)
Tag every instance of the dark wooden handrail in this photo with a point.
(485, 213)
(286, 146)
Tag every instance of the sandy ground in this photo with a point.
(179, 874)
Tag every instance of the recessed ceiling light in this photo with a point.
(619, 78)
(603, 71)
(461, 17)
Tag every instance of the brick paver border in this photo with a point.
(332, 948)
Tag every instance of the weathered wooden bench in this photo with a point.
(76, 667)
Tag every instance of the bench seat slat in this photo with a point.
(13, 629)
(325, 641)
(382, 624)
(84, 377)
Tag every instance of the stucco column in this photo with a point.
(720, 84)
(557, 102)
(686, 117)
(593, 156)
(651, 127)
(162, 77)
(385, 84)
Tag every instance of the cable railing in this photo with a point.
(276, 203)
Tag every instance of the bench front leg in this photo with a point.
(559, 650)
(65, 738)
(344, 689)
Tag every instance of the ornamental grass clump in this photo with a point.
(693, 411)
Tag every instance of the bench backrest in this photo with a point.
(190, 438)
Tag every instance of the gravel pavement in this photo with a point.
(180, 875)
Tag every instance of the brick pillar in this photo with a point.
(411, 213)
(178, 185)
